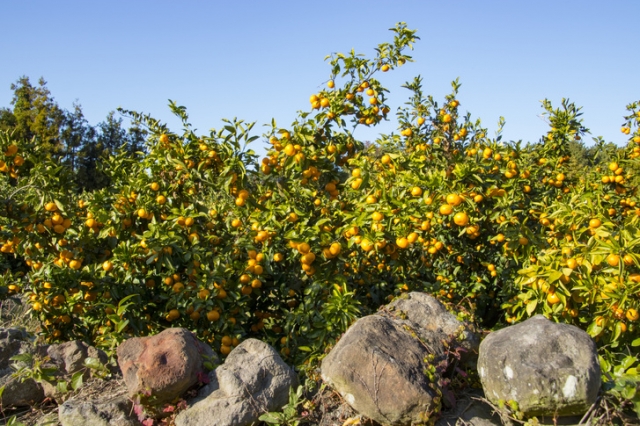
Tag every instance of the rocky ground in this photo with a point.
(397, 367)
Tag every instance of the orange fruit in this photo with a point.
(632, 314)
(402, 242)
(595, 223)
(446, 209)
(552, 298)
(213, 315)
(107, 266)
(416, 191)
(454, 199)
(461, 219)
(613, 259)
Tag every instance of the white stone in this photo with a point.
(570, 386)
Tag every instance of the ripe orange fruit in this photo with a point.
(402, 242)
(107, 266)
(552, 298)
(213, 315)
(161, 199)
(416, 191)
(613, 259)
(384, 68)
(632, 314)
(595, 223)
(51, 207)
(155, 186)
(225, 349)
(385, 159)
(454, 199)
(331, 84)
(446, 118)
(461, 219)
(377, 216)
(446, 209)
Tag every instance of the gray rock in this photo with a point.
(50, 419)
(164, 365)
(253, 380)
(379, 369)
(70, 356)
(470, 411)
(428, 317)
(547, 368)
(116, 411)
(20, 394)
(13, 341)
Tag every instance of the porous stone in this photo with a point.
(163, 366)
(545, 367)
(253, 380)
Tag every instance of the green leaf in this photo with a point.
(76, 380)
(93, 363)
(531, 306)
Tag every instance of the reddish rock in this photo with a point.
(163, 366)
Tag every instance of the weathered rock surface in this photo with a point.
(69, 356)
(20, 394)
(470, 411)
(253, 380)
(547, 368)
(432, 322)
(116, 411)
(13, 341)
(378, 368)
(165, 365)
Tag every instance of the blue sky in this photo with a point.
(259, 60)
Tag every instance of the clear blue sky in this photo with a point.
(259, 60)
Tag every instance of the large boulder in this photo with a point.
(378, 368)
(547, 368)
(116, 411)
(387, 365)
(163, 366)
(253, 380)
